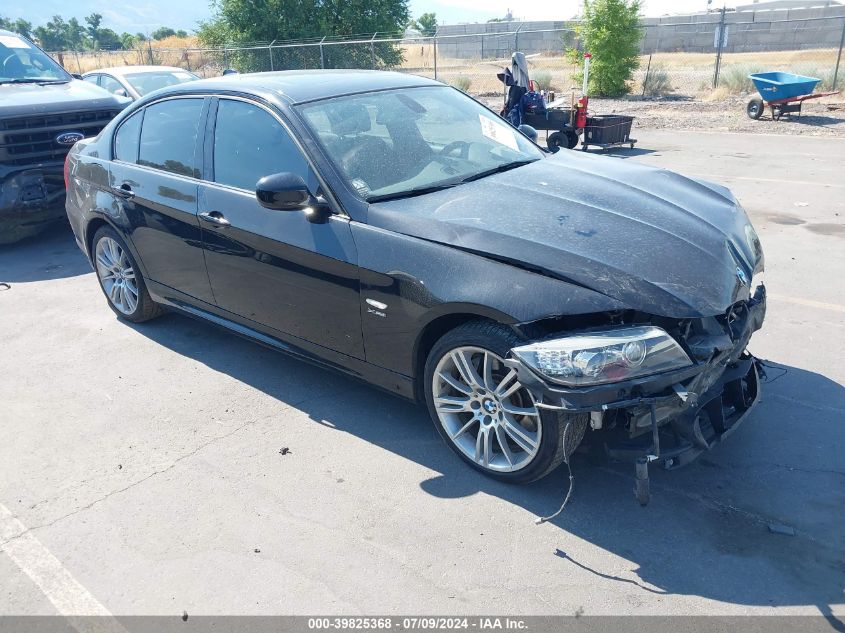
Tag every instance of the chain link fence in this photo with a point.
(709, 57)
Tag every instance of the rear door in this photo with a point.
(274, 268)
(155, 176)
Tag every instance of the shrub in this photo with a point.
(461, 82)
(543, 79)
(610, 30)
(657, 82)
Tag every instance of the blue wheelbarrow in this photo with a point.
(783, 93)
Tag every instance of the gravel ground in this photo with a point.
(817, 118)
(823, 117)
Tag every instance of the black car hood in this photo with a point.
(34, 99)
(654, 240)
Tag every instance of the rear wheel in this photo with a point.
(571, 139)
(556, 141)
(486, 416)
(755, 108)
(120, 279)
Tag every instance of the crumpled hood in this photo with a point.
(652, 239)
(34, 99)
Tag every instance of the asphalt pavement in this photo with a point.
(171, 466)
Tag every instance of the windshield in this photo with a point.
(21, 62)
(394, 143)
(147, 82)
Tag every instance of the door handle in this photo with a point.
(214, 217)
(124, 191)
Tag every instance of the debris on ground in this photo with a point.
(284, 450)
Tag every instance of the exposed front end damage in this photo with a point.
(30, 200)
(670, 418)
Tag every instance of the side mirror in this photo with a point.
(284, 192)
(76, 75)
(120, 92)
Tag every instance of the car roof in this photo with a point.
(130, 70)
(297, 86)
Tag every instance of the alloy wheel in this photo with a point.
(116, 275)
(489, 416)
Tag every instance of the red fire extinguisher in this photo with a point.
(581, 104)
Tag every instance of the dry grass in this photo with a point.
(688, 74)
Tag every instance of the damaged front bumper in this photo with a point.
(669, 418)
(31, 199)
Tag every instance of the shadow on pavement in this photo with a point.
(49, 255)
(705, 532)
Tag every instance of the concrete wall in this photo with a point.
(766, 30)
(496, 40)
(752, 31)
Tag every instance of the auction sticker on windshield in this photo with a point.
(11, 41)
(498, 132)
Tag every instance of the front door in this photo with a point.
(274, 268)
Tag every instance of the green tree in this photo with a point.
(181, 33)
(248, 21)
(74, 35)
(426, 24)
(93, 29)
(127, 41)
(162, 32)
(53, 35)
(109, 40)
(609, 30)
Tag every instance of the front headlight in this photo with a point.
(596, 358)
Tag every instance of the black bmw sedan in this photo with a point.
(393, 228)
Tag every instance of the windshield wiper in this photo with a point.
(416, 191)
(34, 80)
(499, 169)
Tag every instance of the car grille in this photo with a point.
(32, 139)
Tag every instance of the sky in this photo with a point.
(147, 15)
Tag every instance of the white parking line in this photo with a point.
(69, 597)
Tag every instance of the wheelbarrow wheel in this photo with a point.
(571, 139)
(555, 142)
(755, 108)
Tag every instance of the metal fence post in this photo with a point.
(322, 59)
(838, 56)
(373, 49)
(647, 70)
(721, 39)
(435, 55)
(270, 50)
(516, 39)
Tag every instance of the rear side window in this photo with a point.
(249, 143)
(169, 136)
(126, 139)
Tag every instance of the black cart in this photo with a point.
(608, 130)
(558, 121)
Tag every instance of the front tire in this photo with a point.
(486, 416)
(120, 279)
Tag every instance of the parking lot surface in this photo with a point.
(171, 466)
